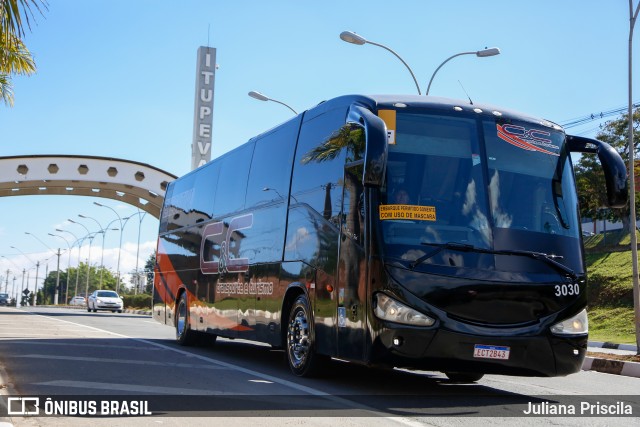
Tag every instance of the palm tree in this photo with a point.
(15, 58)
(11, 12)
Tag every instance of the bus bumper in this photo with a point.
(447, 351)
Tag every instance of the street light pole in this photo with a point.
(261, 97)
(120, 246)
(55, 295)
(79, 242)
(102, 252)
(90, 236)
(632, 189)
(353, 38)
(141, 216)
(493, 51)
(37, 268)
(14, 276)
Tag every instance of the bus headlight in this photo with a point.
(578, 324)
(389, 309)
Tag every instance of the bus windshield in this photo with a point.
(476, 181)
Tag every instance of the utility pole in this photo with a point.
(35, 293)
(55, 298)
(21, 290)
(632, 191)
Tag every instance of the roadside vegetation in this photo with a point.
(610, 288)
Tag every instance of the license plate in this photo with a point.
(491, 352)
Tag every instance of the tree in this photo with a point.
(68, 279)
(589, 176)
(15, 58)
(149, 269)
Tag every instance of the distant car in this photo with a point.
(78, 300)
(4, 299)
(104, 300)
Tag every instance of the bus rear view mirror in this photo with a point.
(615, 171)
(375, 155)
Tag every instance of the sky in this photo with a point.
(116, 78)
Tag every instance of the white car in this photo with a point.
(78, 300)
(104, 300)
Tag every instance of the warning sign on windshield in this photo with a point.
(409, 212)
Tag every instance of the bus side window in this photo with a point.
(232, 184)
(271, 166)
(353, 197)
(319, 165)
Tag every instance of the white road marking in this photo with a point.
(124, 361)
(136, 388)
(298, 387)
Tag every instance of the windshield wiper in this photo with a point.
(549, 259)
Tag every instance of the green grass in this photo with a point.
(610, 288)
(610, 279)
(612, 325)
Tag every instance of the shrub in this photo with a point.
(137, 301)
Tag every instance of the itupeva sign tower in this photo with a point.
(203, 114)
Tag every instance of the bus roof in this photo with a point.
(376, 102)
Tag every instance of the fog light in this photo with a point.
(397, 341)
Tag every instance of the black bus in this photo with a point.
(403, 231)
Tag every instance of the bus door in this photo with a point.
(352, 288)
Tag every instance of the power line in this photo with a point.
(581, 120)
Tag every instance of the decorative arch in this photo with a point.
(135, 183)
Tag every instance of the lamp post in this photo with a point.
(55, 295)
(261, 97)
(353, 38)
(102, 252)
(90, 236)
(35, 293)
(632, 190)
(492, 51)
(79, 242)
(120, 245)
(14, 278)
(141, 216)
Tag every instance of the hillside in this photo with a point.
(610, 288)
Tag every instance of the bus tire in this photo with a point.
(184, 334)
(300, 340)
(464, 377)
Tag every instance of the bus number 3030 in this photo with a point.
(567, 290)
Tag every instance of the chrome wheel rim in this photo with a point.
(298, 339)
(182, 319)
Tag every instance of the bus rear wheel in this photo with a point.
(184, 334)
(300, 347)
(464, 377)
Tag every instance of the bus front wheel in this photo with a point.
(184, 334)
(301, 355)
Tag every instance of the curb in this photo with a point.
(615, 367)
(613, 346)
(143, 312)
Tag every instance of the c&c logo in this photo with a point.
(216, 245)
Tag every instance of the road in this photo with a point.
(51, 352)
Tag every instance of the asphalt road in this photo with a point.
(73, 355)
